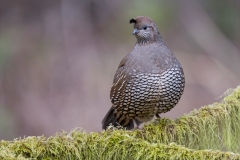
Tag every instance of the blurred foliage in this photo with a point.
(7, 124)
(226, 16)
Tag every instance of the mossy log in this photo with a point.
(212, 132)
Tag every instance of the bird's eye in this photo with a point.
(145, 27)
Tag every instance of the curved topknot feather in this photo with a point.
(132, 21)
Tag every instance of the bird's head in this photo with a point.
(145, 30)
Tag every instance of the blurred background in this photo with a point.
(58, 57)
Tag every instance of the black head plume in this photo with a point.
(132, 21)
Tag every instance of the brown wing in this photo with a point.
(119, 83)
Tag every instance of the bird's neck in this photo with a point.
(157, 39)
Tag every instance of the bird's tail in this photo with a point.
(110, 118)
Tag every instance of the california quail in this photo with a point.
(148, 81)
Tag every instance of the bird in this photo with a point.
(149, 80)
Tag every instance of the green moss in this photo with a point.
(208, 133)
(211, 127)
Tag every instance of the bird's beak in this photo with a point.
(135, 31)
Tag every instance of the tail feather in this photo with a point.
(110, 118)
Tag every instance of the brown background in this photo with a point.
(58, 57)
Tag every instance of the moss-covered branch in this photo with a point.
(215, 126)
(211, 132)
